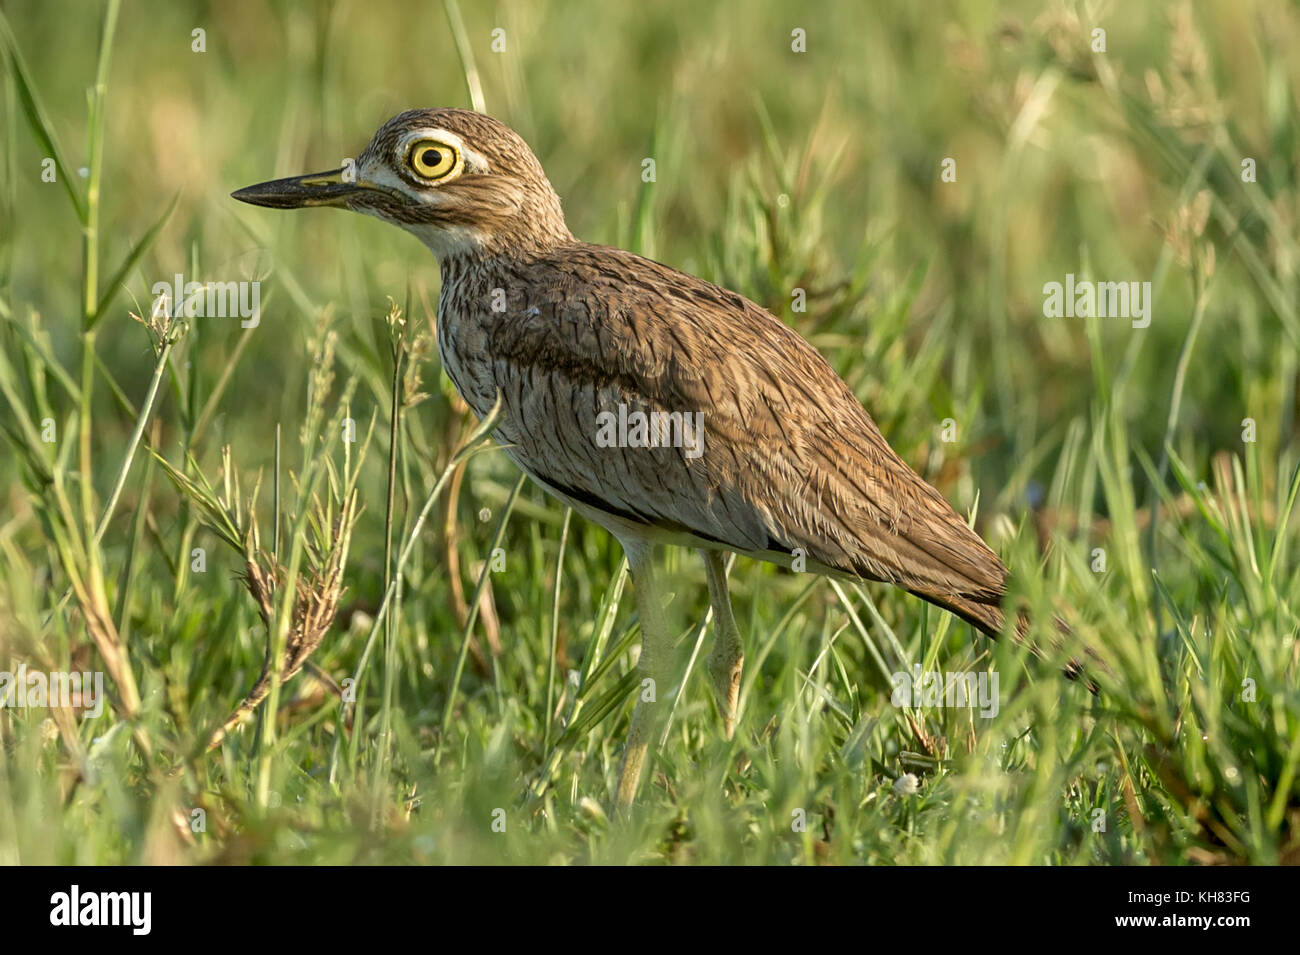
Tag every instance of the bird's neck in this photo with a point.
(488, 258)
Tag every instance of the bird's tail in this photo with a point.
(988, 617)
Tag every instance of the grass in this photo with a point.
(336, 626)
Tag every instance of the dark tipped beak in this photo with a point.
(298, 192)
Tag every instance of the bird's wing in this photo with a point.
(789, 458)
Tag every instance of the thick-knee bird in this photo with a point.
(661, 406)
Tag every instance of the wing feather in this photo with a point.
(790, 458)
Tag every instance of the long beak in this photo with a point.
(297, 192)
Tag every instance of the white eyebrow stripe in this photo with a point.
(474, 161)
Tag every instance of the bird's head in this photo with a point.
(461, 182)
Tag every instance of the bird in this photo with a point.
(665, 408)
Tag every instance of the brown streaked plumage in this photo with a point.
(565, 330)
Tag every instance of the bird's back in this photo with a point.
(790, 462)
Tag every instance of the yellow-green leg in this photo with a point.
(654, 665)
(727, 658)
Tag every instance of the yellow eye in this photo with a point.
(430, 159)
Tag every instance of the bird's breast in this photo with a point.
(463, 342)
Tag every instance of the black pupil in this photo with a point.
(431, 157)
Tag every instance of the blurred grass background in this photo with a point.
(775, 170)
